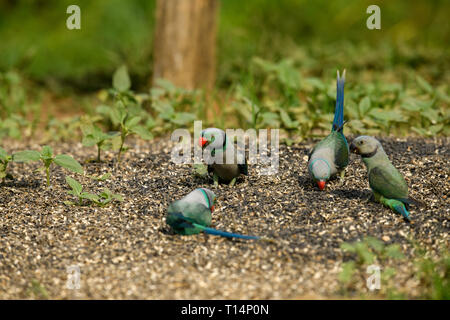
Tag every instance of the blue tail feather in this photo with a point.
(226, 234)
(402, 210)
(338, 121)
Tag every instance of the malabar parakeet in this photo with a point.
(330, 155)
(218, 142)
(387, 183)
(192, 215)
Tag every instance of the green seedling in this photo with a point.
(5, 158)
(128, 124)
(47, 158)
(94, 136)
(102, 199)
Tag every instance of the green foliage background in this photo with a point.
(277, 62)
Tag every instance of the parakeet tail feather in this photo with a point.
(338, 121)
(225, 234)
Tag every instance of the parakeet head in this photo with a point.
(203, 196)
(210, 197)
(320, 170)
(214, 137)
(365, 146)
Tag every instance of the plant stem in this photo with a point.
(98, 153)
(47, 171)
(122, 138)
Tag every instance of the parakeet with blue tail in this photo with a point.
(330, 156)
(192, 215)
(216, 139)
(387, 183)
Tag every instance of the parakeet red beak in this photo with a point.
(202, 141)
(212, 208)
(321, 184)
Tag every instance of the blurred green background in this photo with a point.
(34, 38)
(276, 66)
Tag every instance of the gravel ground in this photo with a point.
(126, 251)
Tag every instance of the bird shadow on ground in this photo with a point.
(353, 194)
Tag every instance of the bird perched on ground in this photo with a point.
(218, 142)
(387, 183)
(330, 156)
(192, 215)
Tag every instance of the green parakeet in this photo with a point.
(217, 141)
(387, 183)
(192, 215)
(330, 156)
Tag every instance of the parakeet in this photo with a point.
(218, 142)
(192, 215)
(387, 183)
(330, 156)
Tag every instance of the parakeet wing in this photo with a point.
(192, 212)
(341, 151)
(388, 182)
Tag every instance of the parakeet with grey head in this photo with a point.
(330, 156)
(387, 183)
(217, 141)
(192, 215)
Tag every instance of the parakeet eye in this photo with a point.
(361, 142)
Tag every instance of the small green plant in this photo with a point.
(94, 136)
(5, 158)
(127, 114)
(102, 199)
(37, 290)
(433, 274)
(367, 252)
(47, 158)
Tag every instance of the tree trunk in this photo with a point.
(185, 42)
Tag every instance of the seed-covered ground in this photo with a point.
(126, 251)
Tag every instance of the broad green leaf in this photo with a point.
(182, 118)
(89, 140)
(142, 132)
(3, 154)
(348, 247)
(101, 178)
(69, 163)
(288, 75)
(118, 197)
(431, 114)
(89, 196)
(121, 79)
(132, 122)
(348, 269)
(434, 129)
(118, 113)
(393, 251)
(75, 185)
(424, 85)
(315, 83)
(376, 244)
(364, 254)
(27, 155)
(386, 115)
(364, 106)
